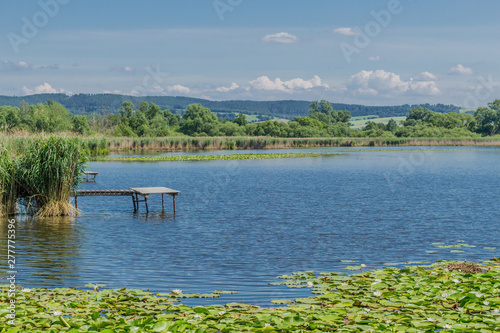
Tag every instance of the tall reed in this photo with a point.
(49, 170)
(8, 184)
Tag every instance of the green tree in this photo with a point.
(391, 126)
(198, 120)
(322, 106)
(241, 120)
(487, 120)
(80, 124)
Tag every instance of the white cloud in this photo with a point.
(376, 58)
(265, 83)
(460, 70)
(177, 89)
(425, 76)
(44, 88)
(281, 37)
(11, 66)
(382, 83)
(123, 69)
(346, 31)
(226, 89)
(424, 87)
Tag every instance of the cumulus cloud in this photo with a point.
(281, 37)
(177, 89)
(12, 66)
(382, 83)
(345, 31)
(376, 58)
(265, 83)
(460, 70)
(425, 76)
(233, 86)
(122, 69)
(44, 88)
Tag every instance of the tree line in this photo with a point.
(150, 120)
(84, 104)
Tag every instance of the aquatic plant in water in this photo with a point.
(213, 157)
(50, 170)
(408, 299)
(42, 177)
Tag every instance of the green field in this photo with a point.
(360, 122)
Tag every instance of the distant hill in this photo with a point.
(288, 109)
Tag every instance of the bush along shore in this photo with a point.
(444, 296)
(99, 145)
(40, 176)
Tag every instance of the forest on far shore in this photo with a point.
(150, 120)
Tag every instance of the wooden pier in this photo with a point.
(90, 173)
(134, 192)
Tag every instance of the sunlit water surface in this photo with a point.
(239, 224)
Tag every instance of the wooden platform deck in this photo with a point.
(90, 173)
(134, 192)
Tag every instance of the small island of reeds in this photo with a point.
(41, 176)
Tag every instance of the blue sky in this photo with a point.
(365, 52)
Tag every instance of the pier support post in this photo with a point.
(174, 202)
(162, 202)
(76, 202)
(133, 202)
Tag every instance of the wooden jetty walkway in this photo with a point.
(134, 192)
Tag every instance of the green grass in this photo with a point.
(358, 124)
(368, 117)
(212, 157)
(391, 299)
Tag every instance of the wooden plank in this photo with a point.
(92, 173)
(95, 193)
(154, 190)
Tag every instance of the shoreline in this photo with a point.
(100, 145)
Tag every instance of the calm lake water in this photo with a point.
(239, 224)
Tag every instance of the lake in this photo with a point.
(241, 223)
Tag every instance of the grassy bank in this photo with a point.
(456, 297)
(212, 157)
(100, 145)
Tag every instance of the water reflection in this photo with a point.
(45, 247)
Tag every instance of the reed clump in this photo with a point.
(43, 176)
(8, 184)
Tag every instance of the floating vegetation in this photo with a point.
(213, 157)
(454, 296)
